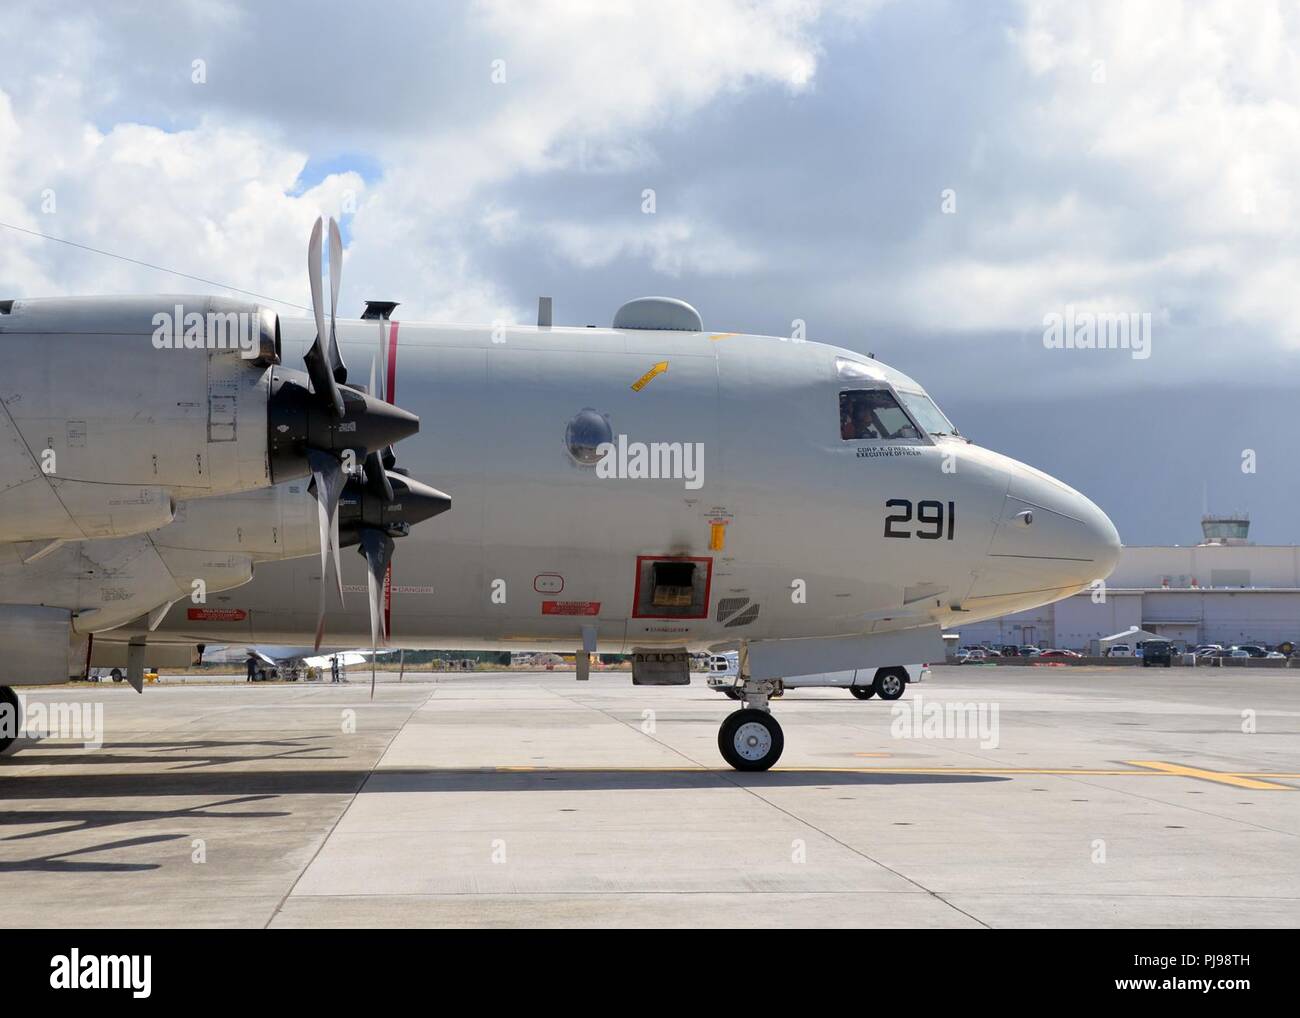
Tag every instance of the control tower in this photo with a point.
(1229, 529)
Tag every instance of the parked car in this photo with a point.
(1157, 652)
(1252, 650)
(1029, 652)
(1009, 651)
(1275, 655)
(862, 683)
(1060, 653)
(1119, 650)
(978, 654)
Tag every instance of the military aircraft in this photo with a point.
(652, 488)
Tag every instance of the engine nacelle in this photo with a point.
(211, 545)
(115, 408)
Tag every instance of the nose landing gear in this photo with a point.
(11, 718)
(750, 739)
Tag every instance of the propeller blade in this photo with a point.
(337, 367)
(377, 547)
(319, 366)
(328, 480)
(379, 388)
(377, 478)
(334, 544)
(313, 277)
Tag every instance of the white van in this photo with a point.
(863, 683)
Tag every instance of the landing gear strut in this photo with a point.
(750, 739)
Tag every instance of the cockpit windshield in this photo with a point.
(873, 414)
(929, 416)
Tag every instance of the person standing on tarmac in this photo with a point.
(251, 665)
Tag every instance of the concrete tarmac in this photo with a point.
(999, 797)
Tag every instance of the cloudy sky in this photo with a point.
(924, 180)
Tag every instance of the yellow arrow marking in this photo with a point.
(649, 376)
(722, 335)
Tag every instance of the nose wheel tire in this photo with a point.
(863, 692)
(751, 740)
(11, 718)
(890, 683)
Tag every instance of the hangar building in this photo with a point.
(1225, 590)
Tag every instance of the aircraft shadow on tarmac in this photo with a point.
(71, 821)
(62, 862)
(322, 782)
(188, 752)
(559, 779)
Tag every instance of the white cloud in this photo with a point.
(212, 201)
(671, 245)
(217, 198)
(1142, 155)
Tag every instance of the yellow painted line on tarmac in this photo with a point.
(1144, 769)
(1220, 777)
(722, 335)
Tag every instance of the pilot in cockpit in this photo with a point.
(856, 417)
(874, 414)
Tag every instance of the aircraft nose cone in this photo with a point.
(1106, 538)
(1052, 529)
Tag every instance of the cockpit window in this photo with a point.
(857, 371)
(929, 416)
(873, 413)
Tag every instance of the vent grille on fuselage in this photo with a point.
(745, 617)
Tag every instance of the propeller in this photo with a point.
(384, 506)
(320, 427)
(371, 520)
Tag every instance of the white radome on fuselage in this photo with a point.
(537, 546)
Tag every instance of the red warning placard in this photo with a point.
(570, 607)
(216, 614)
